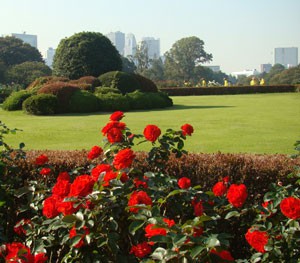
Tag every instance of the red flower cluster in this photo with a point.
(184, 183)
(257, 239)
(123, 159)
(95, 152)
(290, 207)
(187, 129)
(99, 169)
(237, 195)
(116, 116)
(114, 131)
(141, 250)
(224, 254)
(219, 189)
(198, 207)
(140, 183)
(169, 222)
(151, 132)
(41, 160)
(138, 198)
(17, 252)
(74, 233)
(151, 230)
(113, 175)
(45, 171)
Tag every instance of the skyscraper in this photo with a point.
(153, 46)
(287, 56)
(118, 40)
(130, 45)
(50, 56)
(29, 39)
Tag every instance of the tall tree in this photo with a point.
(277, 68)
(85, 54)
(184, 56)
(141, 58)
(14, 51)
(156, 70)
(128, 65)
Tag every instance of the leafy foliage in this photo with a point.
(41, 104)
(83, 101)
(15, 100)
(85, 54)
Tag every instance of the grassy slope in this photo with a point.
(260, 123)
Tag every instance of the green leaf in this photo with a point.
(179, 239)
(213, 241)
(22, 191)
(159, 253)
(69, 219)
(231, 214)
(196, 251)
(135, 225)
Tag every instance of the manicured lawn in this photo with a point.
(260, 123)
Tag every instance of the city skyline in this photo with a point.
(240, 35)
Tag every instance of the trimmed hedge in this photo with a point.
(146, 85)
(105, 90)
(113, 102)
(15, 100)
(232, 90)
(41, 104)
(83, 102)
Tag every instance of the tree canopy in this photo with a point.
(85, 54)
(14, 51)
(183, 58)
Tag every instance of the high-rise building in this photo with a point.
(265, 68)
(130, 45)
(29, 39)
(118, 40)
(287, 56)
(153, 46)
(50, 56)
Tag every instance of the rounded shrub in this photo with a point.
(83, 101)
(146, 85)
(88, 83)
(122, 81)
(105, 90)
(113, 102)
(63, 91)
(41, 81)
(15, 100)
(41, 104)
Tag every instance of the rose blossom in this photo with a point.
(19, 229)
(101, 168)
(115, 135)
(40, 258)
(151, 230)
(184, 183)
(290, 207)
(219, 189)
(116, 116)
(169, 222)
(61, 188)
(123, 159)
(113, 124)
(224, 254)
(41, 160)
(141, 250)
(13, 250)
(152, 132)
(113, 175)
(45, 171)
(187, 129)
(257, 239)
(237, 195)
(198, 208)
(63, 176)
(95, 152)
(138, 198)
(50, 207)
(82, 186)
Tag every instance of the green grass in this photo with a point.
(259, 123)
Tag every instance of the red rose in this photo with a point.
(219, 189)
(113, 124)
(45, 171)
(169, 222)
(198, 208)
(290, 207)
(257, 239)
(224, 254)
(139, 183)
(151, 133)
(67, 207)
(94, 152)
(141, 250)
(184, 183)
(82, 186)
(63, 176)
(198, 231)
(115, 135)
(40, 258)
(151, 230)
(101, 168)
(123, 159)
(85, 231)
(19, 229)
(138, 198)
(61, 188)
(116, 116)
(237, 195)
(14, 256)
(50, 207)
(41, 160)
(187, 129)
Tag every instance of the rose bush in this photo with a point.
(111, 212)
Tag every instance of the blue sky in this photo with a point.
(240, 34)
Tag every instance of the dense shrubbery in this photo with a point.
(15, 100)
(105, 90)
(40, 82)
(41, 104)
(113, 102)
(146, 85)
(83, 101)
(87, 83)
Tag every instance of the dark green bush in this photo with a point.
(63, 91)
(113, 102)
(41, 104)
(146, 85)
(105, 90)
(83, 101)
(122, 81)
(15, 100)
(140, 100)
